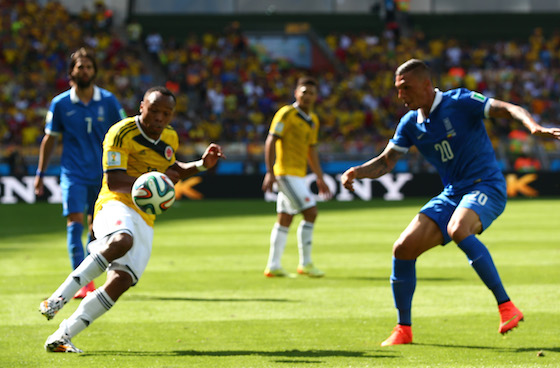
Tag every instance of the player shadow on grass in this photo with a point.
(499, 348)
(385, 278)
(293, 354)
(143, 298)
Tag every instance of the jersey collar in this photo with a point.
(137, 120)
(305, 116)
(437, 100)
(75, 99)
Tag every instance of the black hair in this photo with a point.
(163, 90)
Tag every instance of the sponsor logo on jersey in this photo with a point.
(113, 158)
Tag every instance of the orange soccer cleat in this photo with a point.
(401, 335)
(510, 317)
(83, 292)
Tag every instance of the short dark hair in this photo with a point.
(416, 65)
(306, 81)
(163, 90)
(82, 53)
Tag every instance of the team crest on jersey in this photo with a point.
(478, 97)
(100, 114)
(113, 158)
(168, 152)
(450, 132)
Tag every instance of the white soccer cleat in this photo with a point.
(50, 307)
(60, 343)
(310, 270)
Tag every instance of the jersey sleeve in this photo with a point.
(401, 140)
(278, 124)
(117, 113)
(175, 147)
(53, 122)
(473, 103)
(115, 151)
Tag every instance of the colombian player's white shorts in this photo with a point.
(294, 195)
(116, 217)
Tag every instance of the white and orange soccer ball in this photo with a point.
(153, 192)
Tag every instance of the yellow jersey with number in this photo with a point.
(297, 132)
(126, 147)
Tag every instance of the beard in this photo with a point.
(82, 82)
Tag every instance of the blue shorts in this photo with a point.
(487, 199)
(77, 198)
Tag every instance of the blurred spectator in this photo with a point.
(219, 74)
(16, 162)
(526, 164)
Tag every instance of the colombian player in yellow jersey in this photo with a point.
(124, 234)
(289, 148)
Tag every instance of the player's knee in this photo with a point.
(285, 219)
(457, 230)
(75, 217)
(118, 245)
(402, 249)
(118, 282)
(310, 215)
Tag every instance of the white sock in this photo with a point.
(278, 238)
(305, 237)
(91, 308)
(90, 268)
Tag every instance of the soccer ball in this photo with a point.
(153, 192)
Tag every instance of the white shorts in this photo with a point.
(294, 195)
(115, 217)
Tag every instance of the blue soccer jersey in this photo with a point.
(83, 128)
(453, 138)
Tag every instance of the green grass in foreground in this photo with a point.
(203, 301)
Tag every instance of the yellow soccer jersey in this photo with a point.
(126, 147)
(297, 132)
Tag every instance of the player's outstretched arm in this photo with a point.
(374, 168)
(501, 109)
(182, 170)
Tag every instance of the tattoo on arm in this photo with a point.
(379, 165)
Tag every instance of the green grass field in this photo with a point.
(203, 301)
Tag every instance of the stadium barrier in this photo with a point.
(391, 187)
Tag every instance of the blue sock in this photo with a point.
(403, 283)
(75, 246)
(481, 260)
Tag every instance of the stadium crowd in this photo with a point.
(228, 94)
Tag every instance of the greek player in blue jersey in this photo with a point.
(81, 116)
(448, 130)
